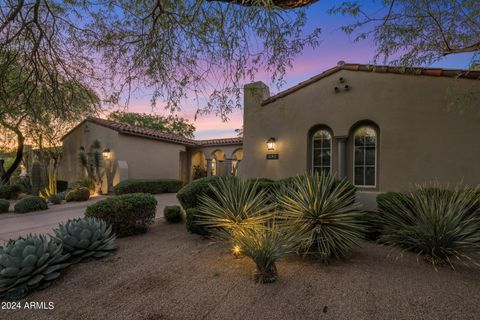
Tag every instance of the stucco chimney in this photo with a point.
(254, 93)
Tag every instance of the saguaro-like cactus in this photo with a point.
(36, 178)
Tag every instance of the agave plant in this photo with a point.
(265, 244)
(323, 209)
(435, 223)
(29, 263)
(86, 238)
(236, 204)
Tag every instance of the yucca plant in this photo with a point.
(265, 244)
(29, 263)
(324, 210)
(86, 238)
(437, 224)
(236, 204)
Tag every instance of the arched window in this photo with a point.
(365, 157)
(322, 152)
(214, 167)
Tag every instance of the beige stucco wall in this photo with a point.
(422, 138)
(70, 169)
(150, 159)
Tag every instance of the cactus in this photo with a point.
(29, 263)
(86, 238)
(36, 178)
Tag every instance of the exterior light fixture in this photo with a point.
(106, 153)
(236, 251)
(271, 144)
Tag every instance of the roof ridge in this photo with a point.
(342, 65)
(126, 128)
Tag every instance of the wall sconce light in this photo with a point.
(271, 144)
(106, 153)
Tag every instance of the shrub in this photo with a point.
(85, 238)
(189, 195)
(191, 217)
(265, 245)
(4, 205)
(29, 263)
(87, 183)
(236, 203)
(30, 204)
(373, 227)
(152, 186)
(128, 214)
(173, 214)
(62, 185)
(78, 194)
(388, 197)
(325, 211)
(435, 223)
(199, 172)
(9, 191)
(55, 199)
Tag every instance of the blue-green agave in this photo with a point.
(86, 238)
(29, 263)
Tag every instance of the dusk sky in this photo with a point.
(335, 46)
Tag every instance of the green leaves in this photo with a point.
(170, 124)
(236, 204)
(324, 210)
(438, 224)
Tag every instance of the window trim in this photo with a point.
(312, 149)
(376, 156)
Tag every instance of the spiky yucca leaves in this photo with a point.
(86, 238)
(265, 244)
(236, 204)
(324, 209)
(435, 223)
(29, 263)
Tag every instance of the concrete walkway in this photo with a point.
(13, 225)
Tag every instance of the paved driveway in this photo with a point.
(13, 225)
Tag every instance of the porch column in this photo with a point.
(228, 167)
(209, 167)
(342, 156)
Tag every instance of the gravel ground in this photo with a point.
(170, 274)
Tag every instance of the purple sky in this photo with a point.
(334, 46)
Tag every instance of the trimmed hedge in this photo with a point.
(4, 205)
(55, 199)
(30, 204)
(191, 217)
(189, 195)
(152, 186)
(10, 191)
(129, 214)
(173, 214)
(78, 194)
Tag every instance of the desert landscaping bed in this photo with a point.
(168, 273)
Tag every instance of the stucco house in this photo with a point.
(383, 128)
(137, 153)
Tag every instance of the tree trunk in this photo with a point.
(5, 178)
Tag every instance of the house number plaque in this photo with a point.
(272, 156)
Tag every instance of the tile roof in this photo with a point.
(435, 72)
(155, 134)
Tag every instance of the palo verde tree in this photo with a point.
(169, 124)
(411, 32)
(173, 48)
(31, 107)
